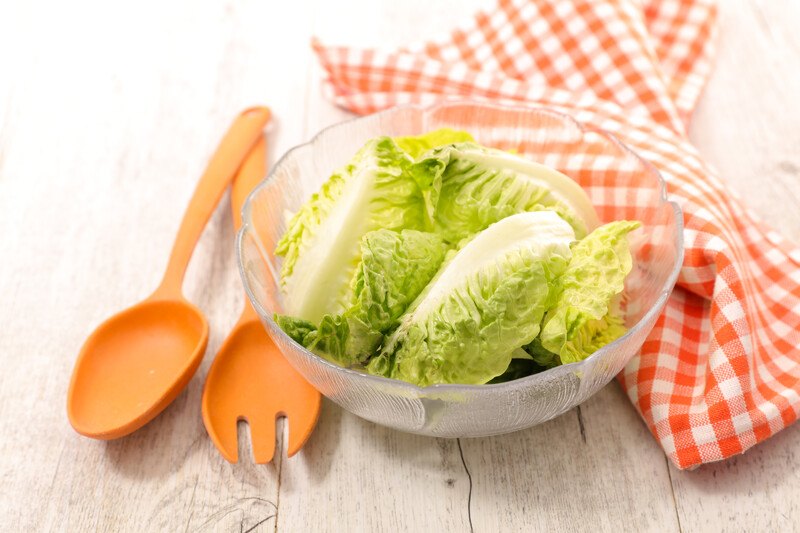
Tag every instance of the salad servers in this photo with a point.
(250, 379)
(136, 362)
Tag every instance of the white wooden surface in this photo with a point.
(107, 115)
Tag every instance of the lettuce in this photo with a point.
(468, 187)
(581, 321)
(395, 267)
(321, 245)
(342, 339)
(416, 145)
(485, 303)
(432, 259)
(297, 328)
(518, 368)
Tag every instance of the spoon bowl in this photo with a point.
(138, 361)
(134, 365)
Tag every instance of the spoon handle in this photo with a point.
(253, 170)
(232, 150)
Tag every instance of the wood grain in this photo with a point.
(593, 469)
(108, 113)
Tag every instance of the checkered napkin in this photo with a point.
(720, 371)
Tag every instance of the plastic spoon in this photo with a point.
(250, 379)
(136, 362)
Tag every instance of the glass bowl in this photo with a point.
(620, 184)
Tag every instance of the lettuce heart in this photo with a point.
(321, 246)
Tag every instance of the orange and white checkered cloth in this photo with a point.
(721, 370)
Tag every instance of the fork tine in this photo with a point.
(302, 415)
(262, 437)
(225, 439)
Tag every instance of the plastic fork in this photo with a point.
(250, 379)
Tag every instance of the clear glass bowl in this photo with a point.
(619, 183)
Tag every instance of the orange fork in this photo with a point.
(250, 379)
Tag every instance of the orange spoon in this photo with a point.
(250, 379)
(136, 362)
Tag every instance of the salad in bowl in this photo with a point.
(459, 270)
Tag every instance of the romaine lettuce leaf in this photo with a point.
(485, 303)
(395, 267)
(468, 187)
(417, 145)
(580, 322)
(518, 368)
(321, 247)
(540, 355)
(342, 339)
(297, 328)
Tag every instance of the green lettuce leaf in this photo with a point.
(468, 187)
(297, 328)
(580, 322)
(485, 303)
(417, 145)
(395, 267)
(321, 246)
(540, 355)
(518, 368)
(342, 339)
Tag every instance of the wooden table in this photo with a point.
(107, 116)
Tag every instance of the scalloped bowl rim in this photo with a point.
(432, 390)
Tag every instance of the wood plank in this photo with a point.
(353, 475)
(388, 24)
(106, 132)
(595, 468)
(747, 127)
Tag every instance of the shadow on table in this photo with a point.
(369, 445)
(163, 445)
(321, 448)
